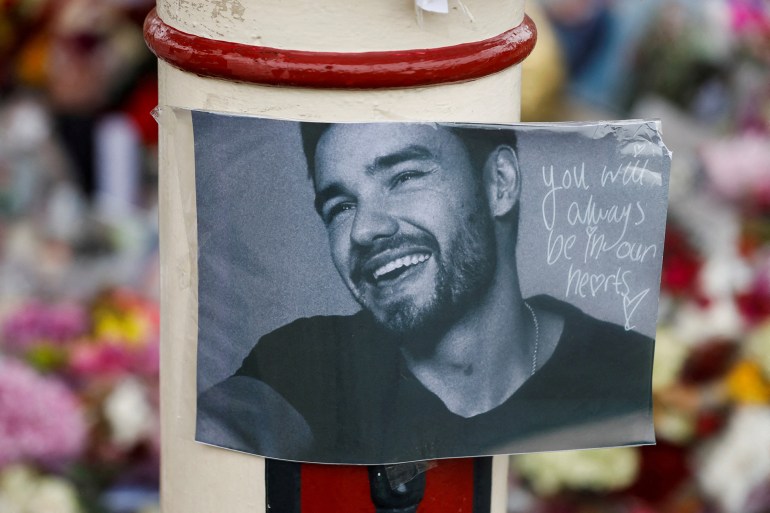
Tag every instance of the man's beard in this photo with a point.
(464, 273)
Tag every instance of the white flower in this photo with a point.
(596, 469)
(724, 273)
(670, 355)
(53, 495)
(129, 413)
(674, 426)
(739, 461)
(24, 491)
(720, 319)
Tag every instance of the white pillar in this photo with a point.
(196, 478)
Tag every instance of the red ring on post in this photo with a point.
(363, 70)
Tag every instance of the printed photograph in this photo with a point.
(374, 293)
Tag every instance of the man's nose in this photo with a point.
(372, 222)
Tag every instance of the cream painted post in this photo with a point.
(200, 479)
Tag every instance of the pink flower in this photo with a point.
(739, 168)
(114, 358)
(102, 359)
(749, 15)
(37, 322)
(40, 419)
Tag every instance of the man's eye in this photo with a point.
(338, 208)
(406, 176)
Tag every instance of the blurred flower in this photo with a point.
(131, 499)
(754, 302)
(674, 426)
(759, 499)
(750, 16)
(709, 360)
(24, 491)
(36, 323)
(123, 315)
(40, 419)
(124, 338)
(129, 413)
(113, 358)
(681, 264)
(599, 470)
(724, 274)
(664, 470)
(740, 460)
(670, 355)
(745, 384)
(739, 168)
(696, 323)
(758, 347)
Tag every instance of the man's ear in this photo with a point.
(503, 180)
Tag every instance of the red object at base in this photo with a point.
(361, 70)
(451, 486)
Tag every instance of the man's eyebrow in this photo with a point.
(327, 193)
(413, 152)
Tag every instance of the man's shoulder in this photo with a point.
(317, 330)
(307, 345)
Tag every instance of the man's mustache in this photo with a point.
(361, 255)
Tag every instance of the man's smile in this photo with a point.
(385, 267)
(397, 267)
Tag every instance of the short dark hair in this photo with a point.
(480, 141)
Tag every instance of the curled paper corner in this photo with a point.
(646, 141)
(666, 151)
(156, 112)
(401, 473)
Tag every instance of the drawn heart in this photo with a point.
(638, 149)
(630, 305)
(597, 282)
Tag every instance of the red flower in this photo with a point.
(681, 264)
(664, 468)
(709, 361)
(754, 304)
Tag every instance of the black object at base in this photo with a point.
(283, 486)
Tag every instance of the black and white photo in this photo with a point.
(375, 293)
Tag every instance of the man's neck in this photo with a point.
(484, 357)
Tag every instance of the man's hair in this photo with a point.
(479, 141)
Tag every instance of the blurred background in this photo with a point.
(79, 264)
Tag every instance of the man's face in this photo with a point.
(408, 223)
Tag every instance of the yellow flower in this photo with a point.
(747, 385)
(129, 327)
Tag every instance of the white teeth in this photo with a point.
(400, 262)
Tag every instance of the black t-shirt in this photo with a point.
(348, 381)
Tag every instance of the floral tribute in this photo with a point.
(79, 405)
(711, 376)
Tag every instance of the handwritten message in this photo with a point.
(594, 221)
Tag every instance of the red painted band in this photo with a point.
(365, 70)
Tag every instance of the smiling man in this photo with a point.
(445, 358)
